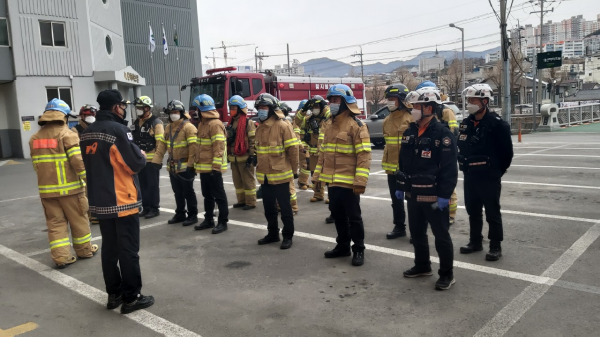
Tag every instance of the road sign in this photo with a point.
(550, 59)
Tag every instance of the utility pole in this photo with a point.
(362, 74)
(462, 32)
(506, 105)
(288, 57)
(255, 60)
(539, 95)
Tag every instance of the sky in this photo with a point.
(387, 30)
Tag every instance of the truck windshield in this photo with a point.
(214, 90)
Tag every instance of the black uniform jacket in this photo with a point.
(433, 154)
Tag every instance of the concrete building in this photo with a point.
(492, 57)
(72, 50)
(435, 62)
(592, 68)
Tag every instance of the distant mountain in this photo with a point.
(326, 67)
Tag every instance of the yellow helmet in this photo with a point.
(143, 101)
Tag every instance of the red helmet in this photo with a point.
(84, 110)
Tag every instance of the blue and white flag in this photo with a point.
(165, 45)
(152, 43)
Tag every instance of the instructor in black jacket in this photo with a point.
(112, 161)
(485, 153)
(426, 176)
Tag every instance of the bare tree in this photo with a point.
(554, 76)
(452, 78)
(375, 93)
(352, 72)
(406, 77)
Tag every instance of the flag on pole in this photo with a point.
(152, 43)
(165, 45)
(176, 37)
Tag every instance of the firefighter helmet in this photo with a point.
(319, 101)
(285, 108)
(397, 90)
(143, 101)
(426, 84)
(237, 101)
(89, 108)
(58, 105)
(301, 105)
(424, 95)
(343, 91)
(480, 90)
(175, 105)
(268, 100)
(204, 103)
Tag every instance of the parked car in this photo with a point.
(375, 125)
(457, 112)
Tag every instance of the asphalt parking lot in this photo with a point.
(546, 283)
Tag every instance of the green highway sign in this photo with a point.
(550, 59)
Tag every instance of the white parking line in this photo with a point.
(545, 184)
(558, 167)
(142, 317)
(510, 314)
(557, 155)
(32, 196)
(562, 148)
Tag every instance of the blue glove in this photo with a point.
(442, 203)
(399, 195)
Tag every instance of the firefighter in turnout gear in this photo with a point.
(87, 116)
(286, 109)
(61, 176)
(447, 117)
(426, 177)
(344, 163)
(180, 142)
(485, 153)
(312, 119)
(240, 152)
(211, 163)
(147, 134)
(394, 126)
(277, 165)
(304, 176)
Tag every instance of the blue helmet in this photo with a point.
(58, 105)
(238, 101)
(343, 91)
(204, 103)
(301, 105)
(426, 84)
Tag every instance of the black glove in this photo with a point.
(155, 166)
(191, 172)
(308, 163)
(295, 175)
(308, 105)
(249, 161)
(215, 172)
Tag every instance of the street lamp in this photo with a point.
(462, 31)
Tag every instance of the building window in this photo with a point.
(108, 45)
(257, 86)
(62, 93)
(52, 34)
(4, 32)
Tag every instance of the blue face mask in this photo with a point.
(334, 108)
(263, 115)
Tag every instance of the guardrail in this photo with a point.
(588, 113)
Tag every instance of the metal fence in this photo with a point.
(579, 114)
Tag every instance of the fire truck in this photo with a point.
(221, 84)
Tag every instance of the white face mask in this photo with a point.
(334, 108)
(416, 115)
(175, 117)
(316, 111)
(391, 105)
(139, 112)
(90, 119)
(473, 108)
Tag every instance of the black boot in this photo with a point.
(247, 207)
(472, 246)
(239, 205)
(495, 251)
(270, 238)
(152, 214)
(145, 211)
(444, 282)
(329, 219)
(177, 218)
(192, 219)
(141, 302)
(114, 301)
(337, 252)
(358, 259)
(286, 244)
(221, 227)
(206, 224)
(397, 232)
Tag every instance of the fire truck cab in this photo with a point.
(221, 84)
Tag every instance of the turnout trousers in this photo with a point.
(419, 214)
(184, 192)
(213, 192)
(345, 209)
(244, 182)
(399, 215)
(61, 214)
(120, 259)
(481, 193)
(149, 177)
(273, 195)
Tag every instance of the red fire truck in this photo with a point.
(221, 84)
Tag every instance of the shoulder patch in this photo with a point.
(447, 141)
(129, 136)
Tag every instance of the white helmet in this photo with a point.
(424, 95)
(480, 90)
